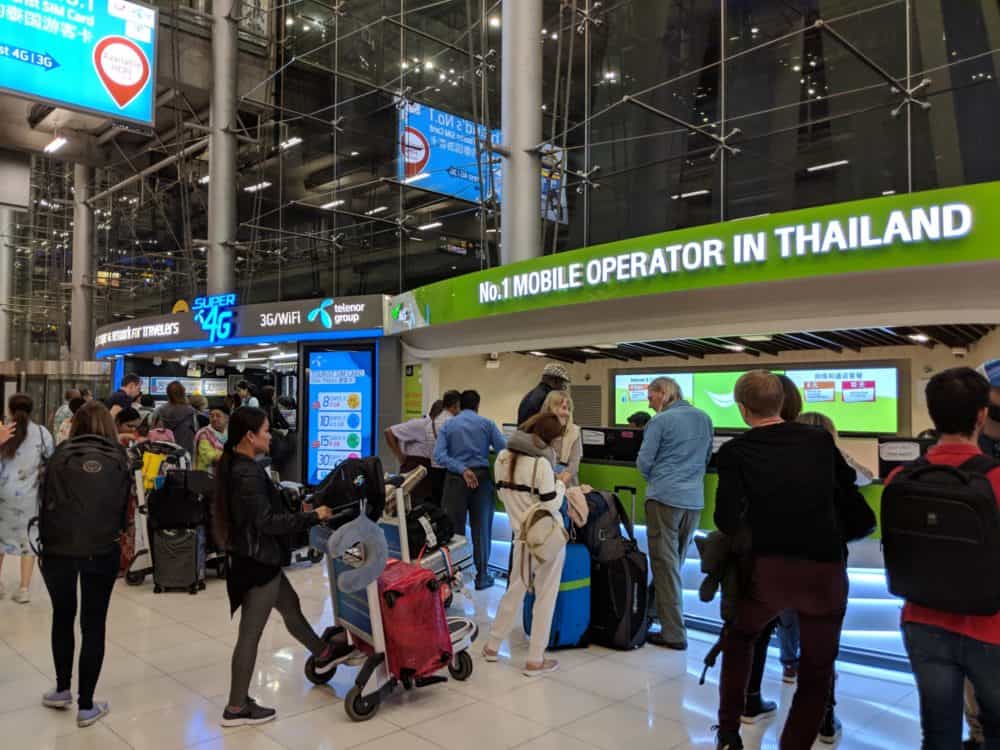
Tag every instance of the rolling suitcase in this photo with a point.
(417, 639)
(179, 559)
(571, 620)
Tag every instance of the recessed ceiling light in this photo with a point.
(920, 338)
(333, 204)
(432, 225)
(588, 350)
(376, 210)
(263, 351)
(538, 354)
(828, 165)
(757, 337)
(55, 144)
(734, 347)
(257, 187)
(291, 355)
(355, 153)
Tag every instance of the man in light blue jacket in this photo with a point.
(673, 458)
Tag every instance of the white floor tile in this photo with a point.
(609, 679)
(166, 673)
(480, 726)
(624, 726)
(551, 703)
(326, 729)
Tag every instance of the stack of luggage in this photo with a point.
(179, 517)
(602, 594)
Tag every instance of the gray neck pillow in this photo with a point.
(361, 532)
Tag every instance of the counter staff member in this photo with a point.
(554, 378)
(675, 451)
(463, 449)
(412, 442)
(125, 396)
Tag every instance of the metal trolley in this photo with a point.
(360, 615)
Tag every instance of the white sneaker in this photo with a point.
(22, 596)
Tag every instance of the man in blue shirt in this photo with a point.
(463, 449)
(673, 458)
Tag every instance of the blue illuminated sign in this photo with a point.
(341, 410)
(437, 152)
(96, 56)
(215, 316)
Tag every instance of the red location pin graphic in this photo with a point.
(122, 67)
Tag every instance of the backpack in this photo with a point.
(427, 528)
(352, 481)
(542, 531)
(602, 533)
(183, 429)
(941, 536)
(84, 499)
(618, 576)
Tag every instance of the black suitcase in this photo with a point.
(178, 559)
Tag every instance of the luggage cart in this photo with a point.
(360, 614)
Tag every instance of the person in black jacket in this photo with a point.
(251, 524)
(554, 378)
(784, 480)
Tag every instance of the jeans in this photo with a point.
(255, 610)
(478, 505)
(788, 637)
(669, 532)
(96, 577)
(942, 661)
(818, 592)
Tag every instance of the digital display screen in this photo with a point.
(96, 56)
(341, 398)
(437, 152)
(857, 399)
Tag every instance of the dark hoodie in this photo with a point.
(788, 478)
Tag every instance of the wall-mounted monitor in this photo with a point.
(859, 398)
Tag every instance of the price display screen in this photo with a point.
(341, 399)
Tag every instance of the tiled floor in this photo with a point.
(166, 674)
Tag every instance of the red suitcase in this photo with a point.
(417, 639)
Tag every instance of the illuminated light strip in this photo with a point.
(828, 165)
(291, 338)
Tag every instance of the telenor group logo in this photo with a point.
(321, 313)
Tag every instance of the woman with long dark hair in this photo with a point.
(94, 576)
(251, 524)
(21, 461)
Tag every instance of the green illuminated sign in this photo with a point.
(952, 225)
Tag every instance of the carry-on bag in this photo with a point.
(417, 639)
(427, 528)
(178, 559)
(619, 575)
(941, 536)
(352, 481)
(571, 619)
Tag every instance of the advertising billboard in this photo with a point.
(437, 152)
(95, 56)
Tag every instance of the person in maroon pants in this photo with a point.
(785, 480)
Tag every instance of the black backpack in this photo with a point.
(941, 536)
(618, 575)
(427, 525)
(603, 531)
(350, 482)
(84, 498)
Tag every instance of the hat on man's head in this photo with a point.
(991, 369)
(556, 371)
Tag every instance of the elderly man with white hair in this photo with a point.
(673, 458)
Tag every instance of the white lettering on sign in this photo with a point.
(132, 333)
(936, 223)
(287, 318)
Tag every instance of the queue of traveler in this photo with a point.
(787, 500)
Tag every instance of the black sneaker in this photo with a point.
(251, 714)
(728, 741)
(757, 709)
(832, 730)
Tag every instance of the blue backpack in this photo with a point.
(571, 620)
